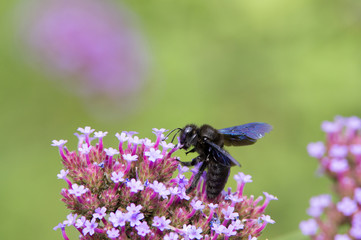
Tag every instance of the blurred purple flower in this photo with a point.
(340, 159)
(93, 46)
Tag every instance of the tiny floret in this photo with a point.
(135, 186)
(153, 154)
(87, 130)
(100, 213)
(78, 190)
(59, 143)
(90, 227)
(117, 177)
(85, 149)
(129, 157)
(111, 151)
(62, 174)
(100, 134)
(113, 233)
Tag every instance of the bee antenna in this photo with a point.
(179, 129)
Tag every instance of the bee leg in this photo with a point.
(194, 162)
(197, 177)
(190, 151)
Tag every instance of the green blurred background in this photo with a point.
(292, 64)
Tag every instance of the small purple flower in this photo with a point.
(338, 151)
(353, 123)
(135, 186)
(100, 134)
(122, 137)
(182, 194)
(153, 155)
(192, 232)
(229, 231)
(330, 127)
(159, 132)
(59, 143)
(309, 227)
(339, 165)
(171, 236)
(90, 227)
(71, 219)
(355, 232)
(347, 206)
(197, 205)
(85, 149)
(60, 225)
(77, 190)
(117, 177)
(173, 190)
(355, 149)
(218, 228)
(111, 151)
(267, 219)
(243, 178)
(161, 223)
(182, 180)
(229, 214)
(143, 229)
(166, 146)
(134, 140)
(100, 213)
(118, 219)
(342, 237)
(357, 195)
(134, 209)
(316, 150)
(212, 206)
(182, 169)
(62, 174)
(134, 218)
(130, 158)
(80, 222)
(160, 188)
(113, 233)
(87, 130)
(237, 224)
(356, 219)
(317, 204)
(148, 143)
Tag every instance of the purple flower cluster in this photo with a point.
(340, 160)
(130, 193)
(93, 46)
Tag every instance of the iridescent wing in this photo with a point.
(245, 134)
(220, 155)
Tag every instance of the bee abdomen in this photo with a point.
(217, 176)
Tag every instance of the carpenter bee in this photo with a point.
(208, 142)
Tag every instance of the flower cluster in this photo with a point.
(93, 46)
(133, 192)
(340, 160)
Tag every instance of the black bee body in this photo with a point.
(208, 142)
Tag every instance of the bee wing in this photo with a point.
(245, 134)
(220, 155)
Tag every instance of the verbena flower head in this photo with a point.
(138, 191)
(93, 47)
(340, 160)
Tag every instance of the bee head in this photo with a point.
(188, 136)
